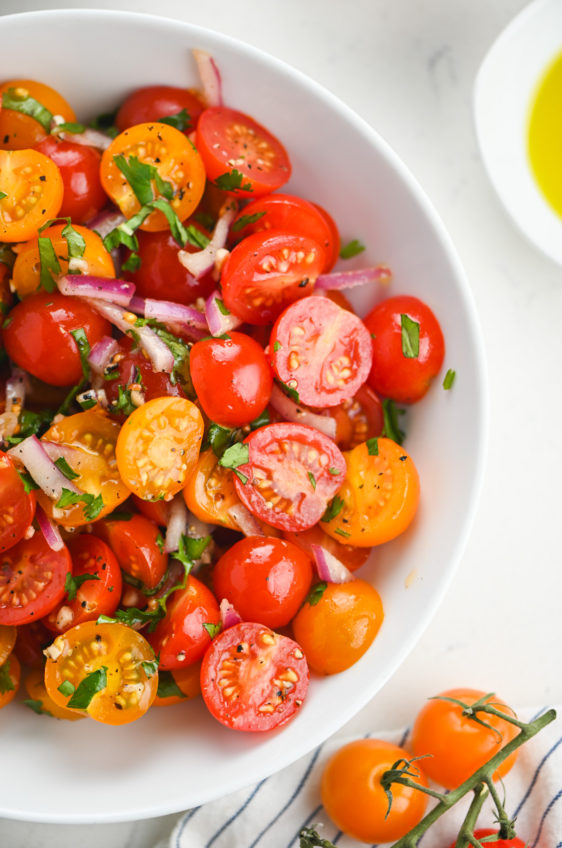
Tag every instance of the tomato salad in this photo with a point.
(200, 443)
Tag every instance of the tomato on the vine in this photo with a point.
(79, 166)
(17, 507)
(32, 580)
(514, 842)
(153, 102)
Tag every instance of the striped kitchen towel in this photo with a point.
(271, 813)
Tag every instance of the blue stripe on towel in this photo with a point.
(311, 817)
(545, 814)
(235, 815)
(186, 819)
(535, 776)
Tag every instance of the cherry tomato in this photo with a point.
(7, 641)
(158, 101)
(229, 140)
(35, 686)
(290, 214)
(158, 447)
(157, 511)
(153, 384)
(252, 678)
(357, 419)
(335, 238)
(31, 639)
(86, 649)
(404, 378)
(378, 498)
(352, 557)
(138, 546)
(38, 337)
(292, 472)
(94, 597)
(458, 744)
(27, 267)
(176, 160)
(17, 507)
(32, 189)
(232, 379)
(210, 492)
(265, 579)
(321, 351)
(32, 580)
(19, 131)
(355, 800)
(10, 673)
(267, 271)
(180, 639)
(514, 842)
(79, 166)
(5, 296)
(182, 684)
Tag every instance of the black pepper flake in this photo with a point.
(43, 178)
(6, 139)
(403, 458)
(98, 637)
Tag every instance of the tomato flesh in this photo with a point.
(33, 190)
(19, 131)
(17, 507)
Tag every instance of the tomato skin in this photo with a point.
(352, 557)
(31, 639)
(394, 375)
(153, 102)
(48, 319)
(7, 641)
(135, 544)
(14, 671)
(514, 842)
(357, 419)
(354, 799)
(33, 185)
(265, 579)
(32, 580)
(157, 511)
(17, 507)
(232, 379)
(19, 131)
(35, 686)
(258, 664)
(332, 257)
(79, 166)
(209, 492)
(155, 384)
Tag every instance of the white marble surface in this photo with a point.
(407, 66)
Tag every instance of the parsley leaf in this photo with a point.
(190, 549)
(373, 446)
(150, 667)
(218, 438)
(277, 346)
(67, 688)
(179, 120)
(123, 402)
(167, 686)
(19, 100)
(333, 471)
(132, 263)
(160, 542)
(63, 466)
(196, 237)
(6, 682)
(93, 504)
(93, 683)
(290, 392)
(72, 584)
(245, 220)
(69, 127)
(3, 195)
(449, 379)
(260, 421)
(74, 240)
(352, 248)
(29, 483)
(410, 337)
(334, 508)
(312, 479)
(32, 424)
(235, 455)
(212, 629)
(232, 181)
(391, 427)
(140, 176)
(316, 593)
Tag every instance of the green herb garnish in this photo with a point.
(212, 629)
(179, 120)
(235, 455)
(333, 509)
(72, 584)
(410, 337)
(391, 427)
(373, 446)
(19, 100)
(316, 593)
(352, 248)
(449, 379)
(245, 220)
(232, 181)
(93, 683)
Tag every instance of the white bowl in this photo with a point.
(178, 757)
(503, 94)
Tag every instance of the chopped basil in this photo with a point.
(290, 392)
(19, 100)
(221, 307)
(167, 686)
(69, 127)
(196, 237)
(29, 483)
(205, 220)
(261, 421)
(333, 471)
(36, 706)
(277, 346)
(316, 593)
(410, 337)
(373, 446)
(449, 379)
(123, 402)
(235, 455)
(63, 466)
(6, 682)
(212, 629)
(245, 220)
(177, 229)
(391, 427)
(72, 584)
(160, 542)
(48, 264)
(150, 667)
(312, 479)
(32, 424)
(179, 120)
(218, 438)
(67, 688)
(341, 532)
(334, 508)
(190, 549)
(132, 263)
(140, 176)
(352, 248)
(232, 181)
(93, 683)
(3, 195)
(84, 349)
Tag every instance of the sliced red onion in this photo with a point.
(137, 305)
(177, 523)
(184, 321)
(329, 567)
(248, 523)
(229, 616)
(217, 321)
(102, 353)
(49, 530)
(16, 386)
(210, 77)
(202, 261)
(297, 414)
(115, 291)
(106, 221)
(41, 467)
(197, 529)
(349, 279)
(54, 450)
(89, 138)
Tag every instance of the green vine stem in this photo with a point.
(506, 828)
(466, 836)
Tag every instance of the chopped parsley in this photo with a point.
(352, 248)
(232, 181)
(333, 471)
(235, 455)
(29, 483)
(245, 220)
(69, 127)
(373, 446)
(6, 682)
(221, 307)
(277, 346)
(391, 427)
(63, 466)
(140, 176)
(167, 686)
(160, 542)
(316, 593)
(218, 438)
(123, 402)
(212, 629)
(410, 337)
(449, 379)
(3, 195)
(196, 237)
(179, 120)
(72, 584)
(190, 549)
(333, 509)
(260, 421)
(289, 391)
(93, 503)
(93, 683)
(150, 667)
(132, 263)
(312, 479)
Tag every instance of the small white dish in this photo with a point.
(503, 94)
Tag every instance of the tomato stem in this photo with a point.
(466, 836)
(506, 827)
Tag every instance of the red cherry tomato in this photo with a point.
(252, 678)
(268, 271)
(32, 580)
(232, 379)
(292, 472)
(38, 336)
(138, 546)
(79, 166)
(320, 350)
(265, 579)
(157, 511)
(31, 639)
(514, 842)
(335, 239)
(229, 140)
(17, 507)
(352, 557)
(157, 101)
(153, 384)
(404, 378)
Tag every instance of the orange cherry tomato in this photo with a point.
(27, 267)
(7, 641)
(42, 702)
(355, 800)
(379, 496)
(336, 630)
(352, 557)
(210, 492)
(176, 160)
(33, 189)
(127, 685)
(10, 673)
(19, 131)
(181, 684)
(158, 447)
(357, 419)
(457, 744)
(137, 544)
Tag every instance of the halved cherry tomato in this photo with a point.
(357, 803)
(32, 579)
(181, 684)
(321, 351)
(404, 378)
(48, 320)
(292, 472)
(268, 271)
(457, 742)
(132, 364)
(265, 579)
(130, 687)
(157, 511)
(10, 673)
(19, 131)
(336, 630)
(210, 493)
(514, 842)
(158, 101)
(94, 597)
(17, 507)
(176, 160)
(32, 192)
(180, 639)
(27, 267)
(357, 419)
(229, 140)
(379, 496)
(35, 686)
(335, 238)
(232, 378)
(7, 641)
(79, 166)
(31, 639)
(138, 546)
(352, 557)
(252, 678)
(87, 440)
(158, 447)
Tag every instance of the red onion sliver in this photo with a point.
(248, 523)
(202, 261)
(177, 523)
(168, 312)
(102, 288)
(49, 530)
(106, 221)
(102, 353)
(89, 138)
(350, 279)
(219, 323)
(41, 467)
(329, 567)
(210, 77)
(197, 529)
(229, 615)
(297, 414)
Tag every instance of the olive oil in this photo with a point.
(545, 135)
